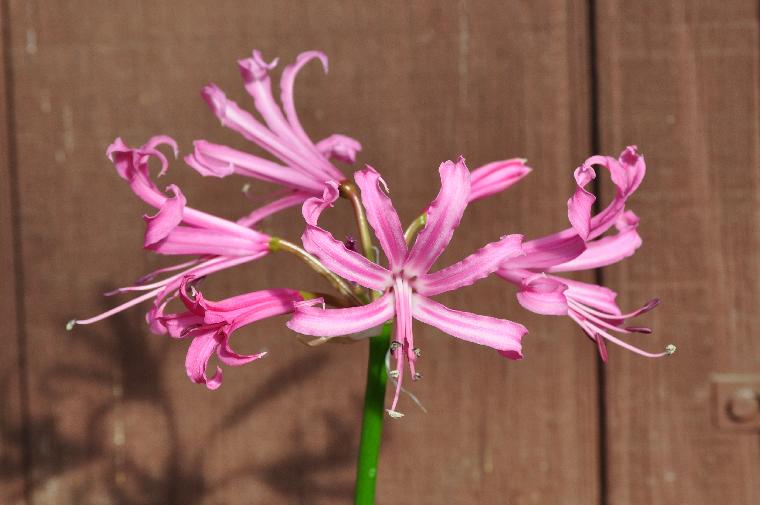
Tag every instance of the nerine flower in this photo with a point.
(210, 325)
(176, 229)
(582, 247)
(406, 284)
(304, 166)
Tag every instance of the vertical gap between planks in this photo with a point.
(18, 273)
(595, 136)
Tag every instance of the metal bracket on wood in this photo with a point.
(736, 401)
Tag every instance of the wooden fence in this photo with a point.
(105, 414)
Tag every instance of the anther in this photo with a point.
(417, 352)
(417, 376)
(394, 374)
(70, 325)
(395, 345)
(670, 349)
(394, 414)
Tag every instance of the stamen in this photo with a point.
(670, 349)
(639, 329)
(393, 373)
(417, 351)
(417, 376)
(70, 325)
(394, 414)
(395, 345)
(621, 343)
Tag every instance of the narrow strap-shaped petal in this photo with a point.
(497, 176)
(500, 334)
(443, 216)
(287, 82)
(382, 216)
(475, 266)
(579, 205)
(187, 240)
(231, 358)
(607, 250)
(292, 199)
(334, 322)
(168, 217)
(216, 160)
(232, 116)
(544, 295)
(255, 73)
(196, 361)
(333, 253)
(339, 147)
(546, 252)
(348, 264)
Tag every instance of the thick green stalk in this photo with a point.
(372, 419)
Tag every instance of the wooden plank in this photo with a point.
(681, 80)
(12, 432)
(417, 83)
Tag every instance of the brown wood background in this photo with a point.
(105, 414)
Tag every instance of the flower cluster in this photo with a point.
(370, 292)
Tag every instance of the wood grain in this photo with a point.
(12, 433)
(115, 419)
(681, 80)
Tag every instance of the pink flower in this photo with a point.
(304, 166)
(496, 176)
(406, 284)
(591, 306)
(176, 230)
(210, 325)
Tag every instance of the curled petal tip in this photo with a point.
(322, 57)
(117, 145)
(215, 98)
(670, 349)
(255, 68)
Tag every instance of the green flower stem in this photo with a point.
(349, 191)
(372, 419)
(278, 244)
(415, 227)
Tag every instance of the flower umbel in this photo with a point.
(176, 229)
(406, 285)
(582, 247)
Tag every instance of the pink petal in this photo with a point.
(546, 252)
(443, 216)
(474, 267)
(592, 295)
(334, 322)
(231, 358)
(348, 264)
(500, 334)
(333, 253)
(168, 217)
(579, 206)
(196, 361)
(496, 176)
(287, 83)
(543, 295)
(219, 161)
(608, 250)
(292, 199)
(626, 172)
(187, 240)
(339, 147)
(382, 216)
(255, 73)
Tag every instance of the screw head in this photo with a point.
(743, 405)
